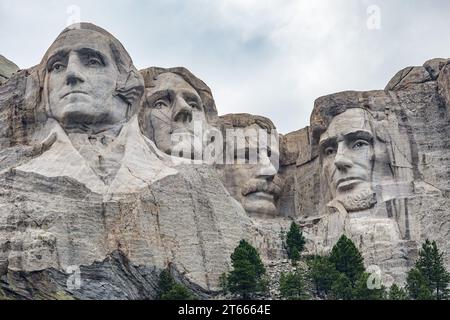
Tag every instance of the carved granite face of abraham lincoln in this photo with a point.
(347, 156)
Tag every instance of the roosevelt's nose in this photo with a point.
(267, 170)
(182, 111)
(74, 74)
(342, 161)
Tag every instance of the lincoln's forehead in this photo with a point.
(352, 120)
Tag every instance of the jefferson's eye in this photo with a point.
(160, 104)
(359, 144)
(195, 105)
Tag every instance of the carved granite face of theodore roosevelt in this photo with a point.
(347, 155)
(252, 182)
(81, 81)
(176, 116)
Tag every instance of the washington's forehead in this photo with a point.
(80, 39)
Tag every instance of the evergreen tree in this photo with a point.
(362, 291)
(292, 286)
(295, 242)
(347, 259)
(246, 278)
(178, 292)
(417, 286)
(397, 293)
(322, 274)
(342, 289)
(168, 289)
(431, 266)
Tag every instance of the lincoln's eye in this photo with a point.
(94, 62)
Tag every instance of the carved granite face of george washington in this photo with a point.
(347, 156)
(82, 81)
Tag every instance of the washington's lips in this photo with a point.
(348, 182)
(73, 92)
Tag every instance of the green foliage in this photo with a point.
(397, 293)
(295, 242)
(223, 283)
(417, 286)
(347, 259)
(431, 266)
(341, 289)
(322, 274)
(292, 286)
(361, 290)
(168, 289)
(246, 278)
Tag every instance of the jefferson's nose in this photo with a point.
(73, 71)
(341, 161)
(182, 111)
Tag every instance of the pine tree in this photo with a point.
(246, 278)
(341, 288)
(362, 291)
(347, 259)
(397, 293)
(295, 242)
(292, 286)
(168, 289)
(322, 274)
(417, 286)
(431, 266)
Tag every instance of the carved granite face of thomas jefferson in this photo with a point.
(82, 80)
(347, 155)
(176, 116)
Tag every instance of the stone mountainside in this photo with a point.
(7, 69)
(89, 213)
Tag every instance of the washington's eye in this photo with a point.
(359, 144)
(57, 66)
(329, 151)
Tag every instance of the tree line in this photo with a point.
(340, 275)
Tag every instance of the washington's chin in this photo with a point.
(81, 112)
(260, 203)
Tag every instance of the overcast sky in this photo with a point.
(271, 58)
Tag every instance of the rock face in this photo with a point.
(96, 197)
(7, 69)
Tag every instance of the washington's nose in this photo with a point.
(73, 72)
(182, 112)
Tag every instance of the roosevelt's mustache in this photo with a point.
(260, 185)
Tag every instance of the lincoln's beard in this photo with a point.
(358, 201)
